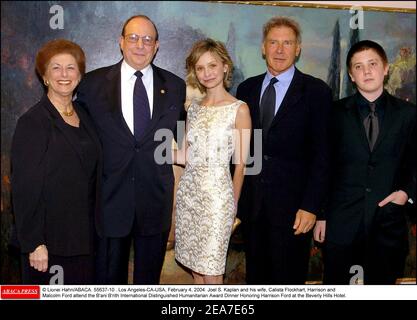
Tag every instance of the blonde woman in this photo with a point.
(207, 195)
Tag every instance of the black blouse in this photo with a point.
(89, 156)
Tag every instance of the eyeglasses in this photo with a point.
(134, 38)
(284, 43)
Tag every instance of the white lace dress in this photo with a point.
(205, 203)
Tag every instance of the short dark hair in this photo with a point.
(142, 16)
(59, 46)
(366, 45)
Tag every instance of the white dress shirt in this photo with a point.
(128, 80)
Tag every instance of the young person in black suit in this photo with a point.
(129, 102)
(373, 177)
(55, 168)
(278, 206)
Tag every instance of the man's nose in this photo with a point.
(280, 47)
(139, 43)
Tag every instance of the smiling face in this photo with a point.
(62, 75)
(210, 70)
(280, 49)
(139, 55)
(368, 71)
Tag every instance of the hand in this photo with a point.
(304, 221)
(398, 197)
(319, 232)
(38, 259)
(236, 223)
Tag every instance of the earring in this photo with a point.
(46, 82)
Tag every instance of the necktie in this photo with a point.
(268, 106)
(141, 111)
(371, 125)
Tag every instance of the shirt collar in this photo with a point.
(284, 78)
(128, 73)
(363, 103)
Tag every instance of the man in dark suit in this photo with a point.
(373, 157)
(129, 102)
(279, 205)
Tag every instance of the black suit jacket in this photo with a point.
(294, 156)
(50, 183)
(133, 183)
(361, 178)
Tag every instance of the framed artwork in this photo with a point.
(327, 33)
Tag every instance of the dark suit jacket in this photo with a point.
(295, 152)
(361, 178)
(50, 184)
(133, 183)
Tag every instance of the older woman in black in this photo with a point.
(55, 163)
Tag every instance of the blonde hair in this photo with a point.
(198, 49)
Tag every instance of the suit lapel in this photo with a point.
(255, 101)
(355, 118)
(294, 93)
(160, 92)
(114, 95)
(59, 123)
(387, 121)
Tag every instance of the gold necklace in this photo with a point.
(67, 114)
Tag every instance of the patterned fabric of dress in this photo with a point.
(205, 203)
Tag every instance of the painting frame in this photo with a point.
(18, 57)
(318, 5)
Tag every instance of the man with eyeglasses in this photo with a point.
(279, 206)
(129, 102)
